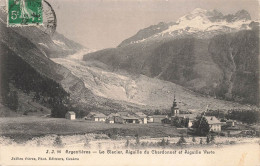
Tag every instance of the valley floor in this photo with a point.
(25, 128)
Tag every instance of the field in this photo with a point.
(24, 128)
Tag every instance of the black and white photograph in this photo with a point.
(129, 82)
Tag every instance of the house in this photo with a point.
(231, 123)
(88, 117)
(142, 117)
(123, 113)
(190, 117)
(113, 115)
(159, 118)
(70, 115)
(110, 120)
(214, 123)
(150, 119)
(97, 117)
(126, 119)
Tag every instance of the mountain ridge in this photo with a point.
(222, 62)
(210, 22)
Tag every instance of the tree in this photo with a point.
(181, 140)
(167, 142)
(202, 126)
(163, 143)
(127, 143)
(86, 144)
(58, 142)
(208, 139)
(137, 140)
(212, 138)
(201, 141)
(13, 104)
(157, 112)
(178, 122)
(193, 139)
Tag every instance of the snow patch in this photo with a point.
(43, 45)
(59, 43)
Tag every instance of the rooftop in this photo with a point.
(212, 120)
(190, 116)
(129, 117)
(141, 114)
(99, 115)
(71, 112)
(160, 116)
(123, 113)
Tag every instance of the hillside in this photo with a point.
(29, 76)
(217, 62)
(55, 45)
(143, 91)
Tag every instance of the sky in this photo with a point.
(99, 24)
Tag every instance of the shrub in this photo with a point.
(167, 142)
(162, 143)
(143, 144)
(222, 134)
(86, 144)
(99, 146)
(58, 142)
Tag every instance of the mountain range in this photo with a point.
(200, 66)
(204, 51)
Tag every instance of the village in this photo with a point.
(184, 121)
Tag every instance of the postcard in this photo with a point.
(129, 82)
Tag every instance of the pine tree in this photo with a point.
(181, 140)
(208, 139)
(127, 143)
(201, 141)
(193, 139)
(202, 126)
(212, 138)
(137, 140)
(167, 142)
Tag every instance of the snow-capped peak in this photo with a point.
(198, 10)
(199, 23)
(204, 23)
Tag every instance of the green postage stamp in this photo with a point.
(24, 12)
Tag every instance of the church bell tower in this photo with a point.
(174, 110)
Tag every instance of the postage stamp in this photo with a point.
(24, 12)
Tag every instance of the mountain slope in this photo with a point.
(55, 45)
(147, 93)
(28, 74)
(216, 63)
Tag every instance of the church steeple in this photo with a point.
(174, 109)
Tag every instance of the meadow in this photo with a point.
(25, 128)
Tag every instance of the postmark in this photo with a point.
(24, 12)
(49, 18)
